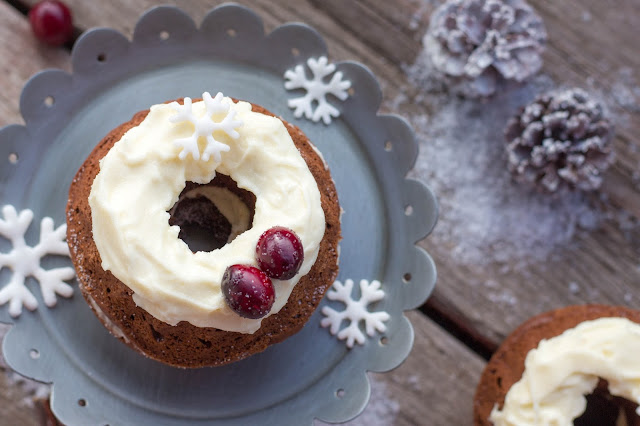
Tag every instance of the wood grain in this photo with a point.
(22, 56)
(16, 404)
(397, 46)
(435, 385)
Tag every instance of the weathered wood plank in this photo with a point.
(361, 18)
(602, 268)
(434, 386)
(408, 16)
(22, 56)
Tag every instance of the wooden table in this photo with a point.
(590, 42)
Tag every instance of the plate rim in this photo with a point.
(412, 192)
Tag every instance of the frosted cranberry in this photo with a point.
(51, 22)
(248, 291)
(279, 253)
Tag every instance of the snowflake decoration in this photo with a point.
(205, 126)
(355, 311)
(317, 90)
(24, 261)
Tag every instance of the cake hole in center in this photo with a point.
(604, 409)
(212, 215)
(202, 226)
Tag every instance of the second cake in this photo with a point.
(146, 285)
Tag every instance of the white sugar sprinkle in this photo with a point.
(484, 216)
(574, 288)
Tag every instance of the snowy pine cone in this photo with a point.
(478, 43)
(560, 141)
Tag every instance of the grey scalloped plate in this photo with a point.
(98, 380)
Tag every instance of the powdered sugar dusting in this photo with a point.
(626, 90)
(484, 216)
(621, 96)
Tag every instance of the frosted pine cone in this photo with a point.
(560, 141)
(478, 43)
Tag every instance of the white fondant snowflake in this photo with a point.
(205, 126)
(24, 261)
(317, 90)
(355, 311)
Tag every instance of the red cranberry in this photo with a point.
(248, 291)
(51, 22)
(279, 253)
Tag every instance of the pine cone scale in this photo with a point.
(561, 141)
(480, 43)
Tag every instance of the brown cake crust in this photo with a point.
(506, 366)
(185, 345)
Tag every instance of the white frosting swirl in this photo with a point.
(141, 178)
(561, 370)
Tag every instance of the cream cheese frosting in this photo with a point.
(562, 370)
(141, 178)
